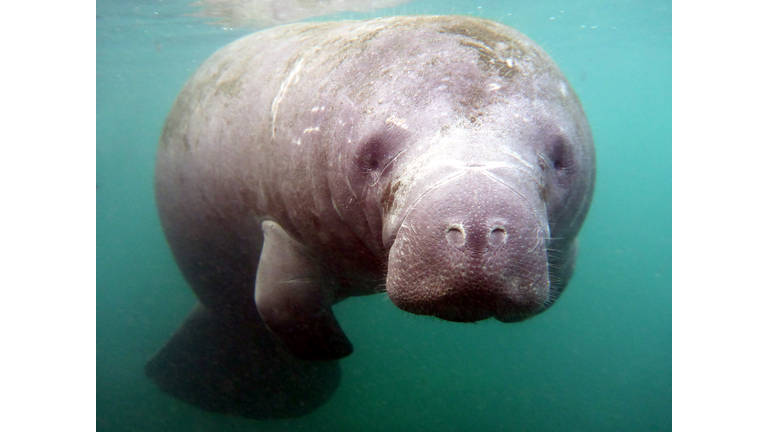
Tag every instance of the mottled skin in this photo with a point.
(442, 159)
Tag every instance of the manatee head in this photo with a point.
(481, 169)
(473, 162)
(483, 223)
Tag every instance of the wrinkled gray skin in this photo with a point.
(443, 160)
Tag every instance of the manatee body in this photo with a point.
(444, 160)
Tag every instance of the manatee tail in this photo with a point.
(237, 366)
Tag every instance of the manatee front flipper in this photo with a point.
(237, 366)
(295, 301)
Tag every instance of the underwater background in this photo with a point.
(599, 360)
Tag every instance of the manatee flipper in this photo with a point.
(237, 366)
(295, 301)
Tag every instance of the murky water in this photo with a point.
(599, 360)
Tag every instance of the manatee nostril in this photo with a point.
(497, 237)
(455, 236)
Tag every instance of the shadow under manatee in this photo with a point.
(237, 366)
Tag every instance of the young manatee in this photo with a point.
(444, 160)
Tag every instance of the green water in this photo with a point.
(599, 360)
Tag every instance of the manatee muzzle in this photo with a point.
(471, 249)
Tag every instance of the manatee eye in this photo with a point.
(561, 156)
(375, 154)
(369, 156)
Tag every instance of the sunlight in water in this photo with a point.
(268, 13)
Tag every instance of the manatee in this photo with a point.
(443, 160)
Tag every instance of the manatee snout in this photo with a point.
(471, 249)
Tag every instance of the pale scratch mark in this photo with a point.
(287, 82)
(397, 121)
(336, 207)
(517, 156)
(306, 131)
